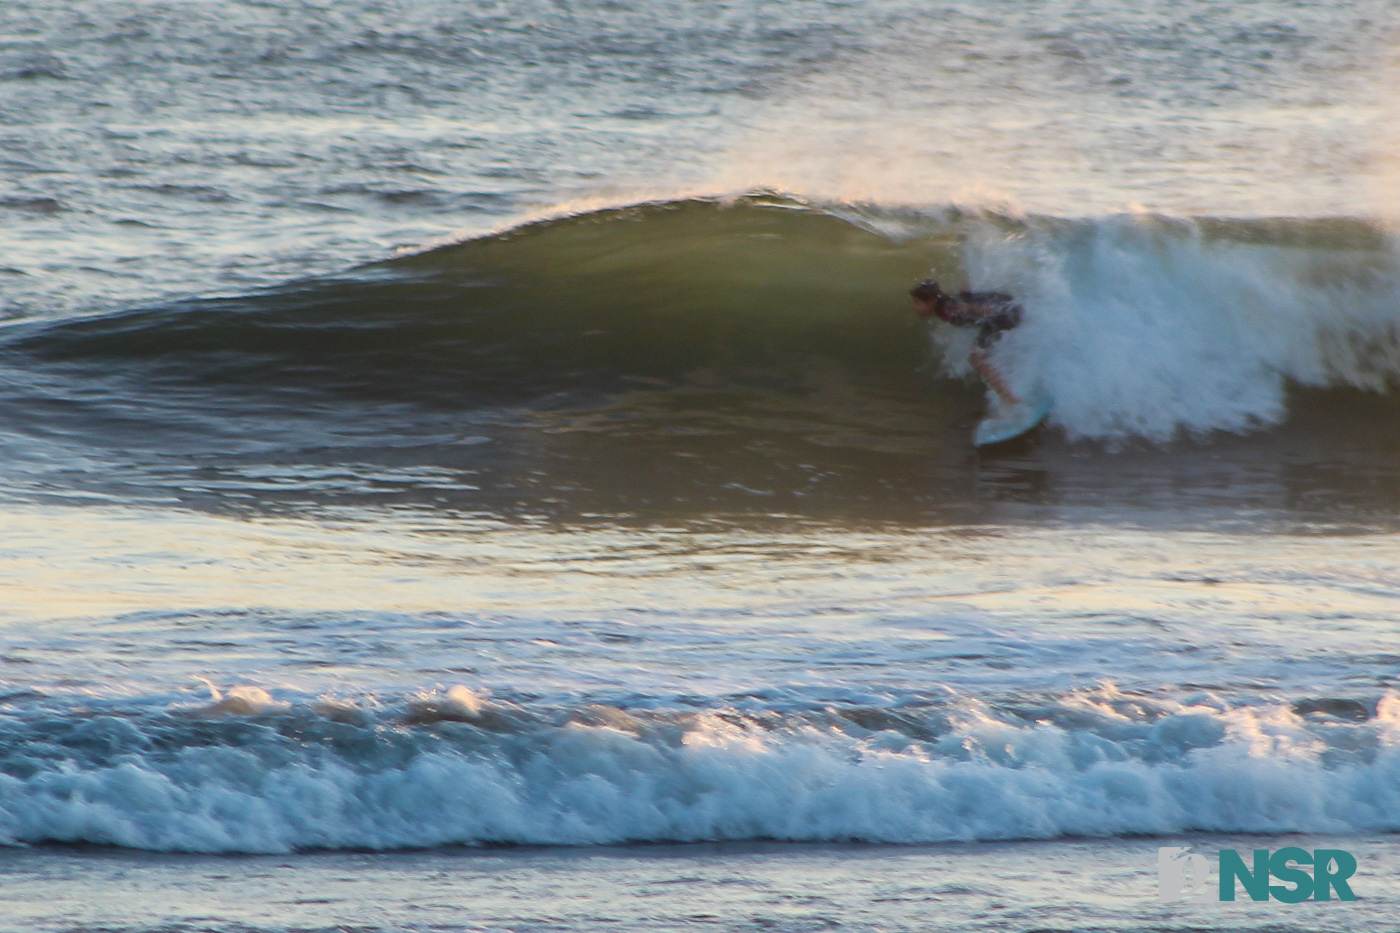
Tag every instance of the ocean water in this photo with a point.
(475, 467)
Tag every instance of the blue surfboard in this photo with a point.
(1003, 424)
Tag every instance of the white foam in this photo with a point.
(1095, 764)
(242, 700)
(1144, 326)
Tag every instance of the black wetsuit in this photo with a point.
(1003, 314)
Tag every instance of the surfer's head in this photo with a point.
(927, 296)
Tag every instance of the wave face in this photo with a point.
(577, 303)
(739, 341)
(248, 773)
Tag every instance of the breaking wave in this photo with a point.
(250, 773)
(1137, 325)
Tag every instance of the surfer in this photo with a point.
(994, 313)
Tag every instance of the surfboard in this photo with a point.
(1005, 423)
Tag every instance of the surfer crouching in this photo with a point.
(994, 313)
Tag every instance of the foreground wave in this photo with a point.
(248, 773)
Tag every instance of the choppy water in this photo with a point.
(503, 424)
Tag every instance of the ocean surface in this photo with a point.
(474, 466)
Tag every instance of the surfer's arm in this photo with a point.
(985, 304)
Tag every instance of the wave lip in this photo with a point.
(477, 773)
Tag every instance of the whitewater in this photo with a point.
(475, 467)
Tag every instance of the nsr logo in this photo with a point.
(1183, 875)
